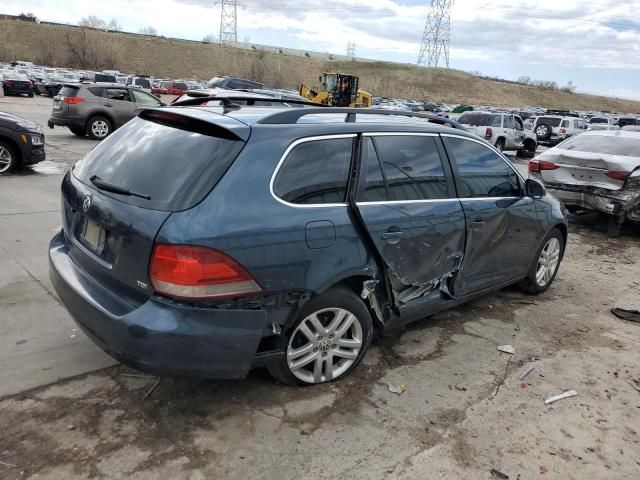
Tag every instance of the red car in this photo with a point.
(170, 88)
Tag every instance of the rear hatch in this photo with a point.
(116, 199)
(602, 161)
(64, 99)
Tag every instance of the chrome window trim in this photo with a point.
(284, 157)
(399, 134)
(493, 149)
(441, 200)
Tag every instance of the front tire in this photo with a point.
(328, 340)
(78, 131)
(8, 157)
(545, 268)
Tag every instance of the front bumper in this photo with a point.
(158, 337)
(31, 154)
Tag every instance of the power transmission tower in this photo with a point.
(434, 49)
(228, 21)
(351, 50)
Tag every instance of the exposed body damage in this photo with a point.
(598, 170)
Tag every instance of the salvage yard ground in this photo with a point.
(463, 412)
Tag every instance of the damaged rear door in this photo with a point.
(406, 199)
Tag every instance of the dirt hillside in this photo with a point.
(86, 48)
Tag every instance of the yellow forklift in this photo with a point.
(338, 90)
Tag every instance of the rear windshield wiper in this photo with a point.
(110, 187)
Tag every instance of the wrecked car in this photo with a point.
(207, 241)
(596, 171)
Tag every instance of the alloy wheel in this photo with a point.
(5, 159)
(548, 262)
(100, 128)
(324, 345)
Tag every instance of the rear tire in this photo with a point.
(99, 127)
(545, 267)
(614, 226)
(78, 131)
(500, 145)
(329, 339)
(31, 95)
(8, 157)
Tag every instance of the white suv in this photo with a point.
(554, 129)
(503, 130)
(602, 123)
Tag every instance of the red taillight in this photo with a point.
(540, 165)
(29, 84)
(563, 131)
(73, 100)
(488, 134)
(622, 176)
(189, 272)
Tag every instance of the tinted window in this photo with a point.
(68, 92)
(142, 98)
(508, 122)
(97, 91)
(475, 119)
(553, 122)
(611, 145)
(238, 85)
(191, 164)
(482, 172)
(412, 167)
(181, 86)
(375, 188)
(118, 94)
(315, 172)
(598, 120)
(143, 82)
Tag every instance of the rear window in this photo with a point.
(476, 119)
(552, 122)
(143, 82)
(176, 168)
(598, 120)
(101, 77)
(607, 144)
(68, 92)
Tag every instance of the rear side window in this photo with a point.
(481, 171)
(315, 172)
(177, 168)
(607, 144)
(553, 122)
(68, 92)
(565, 124)
(97, 91)
(411, 169)
(508, 122)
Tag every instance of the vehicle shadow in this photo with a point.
(598, 222)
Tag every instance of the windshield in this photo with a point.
(606, 144)
(598, 120)
(190, 164)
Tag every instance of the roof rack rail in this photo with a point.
(228, 101)
(292, 116)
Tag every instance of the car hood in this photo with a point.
(15, 122)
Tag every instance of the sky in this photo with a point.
(594, 43)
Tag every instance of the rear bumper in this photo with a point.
(158, 337)
(18, 90)
(623, 203)
(66, 121)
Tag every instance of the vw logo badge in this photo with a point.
(86, 204)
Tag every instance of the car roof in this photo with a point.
(613, 133)
(319, 122)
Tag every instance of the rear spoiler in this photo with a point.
(198, 121)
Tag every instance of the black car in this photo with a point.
(21, 142)
(205, 241)
(16, 84)
(49, 86)
(236, 83)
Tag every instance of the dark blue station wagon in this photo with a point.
(204, 241)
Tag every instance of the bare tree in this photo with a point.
(92, 22)
(114, 25)
(570, 87)
(210, 38)
(149, 30)
(524, 79)
(81, 49)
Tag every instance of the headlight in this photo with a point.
(37, 140)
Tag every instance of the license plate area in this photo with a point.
(57, 105)
(92, 235)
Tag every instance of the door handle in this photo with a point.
(108, 105)
(393, 236)
(477, 223)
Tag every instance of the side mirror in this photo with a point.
(534, 189)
